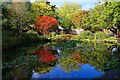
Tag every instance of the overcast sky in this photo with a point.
(86, 4)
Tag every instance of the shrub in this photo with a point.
(100, 35)
(32, 35)
(85, 35)
(52, 35)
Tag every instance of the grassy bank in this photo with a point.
(12, 39)
(84, 36)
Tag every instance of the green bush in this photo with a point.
(32, 34)
(52, 36)
(100, 35)
(85, 35)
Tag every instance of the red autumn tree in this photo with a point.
(44, 23)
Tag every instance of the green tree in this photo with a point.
(112, 15)
(19, 16)
(66, 13)
(103, 16)
(4, 13)
(44, 8)
(91, 21)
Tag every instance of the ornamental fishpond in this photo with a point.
(71, 59)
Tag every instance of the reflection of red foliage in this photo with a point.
(43, 23)
(46, 55)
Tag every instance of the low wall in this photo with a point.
(76, 31)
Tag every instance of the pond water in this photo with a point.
(86, 71)
(69, 59)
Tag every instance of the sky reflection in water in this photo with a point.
(86, 71)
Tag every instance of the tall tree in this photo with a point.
(77, 18)
(19, 16)
(91, 21)
(66, 13)
(104, 16)
(4, 15)
(44, 8)
(112, 13)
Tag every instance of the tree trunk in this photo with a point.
(44, 33)
(16, 25)
(114, 30)
(118, 33)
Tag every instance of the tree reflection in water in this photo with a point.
(71, 60)
(45, 54)
(45, 60)
(95, 54)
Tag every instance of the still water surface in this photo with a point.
(58, 72)
(56, 60)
